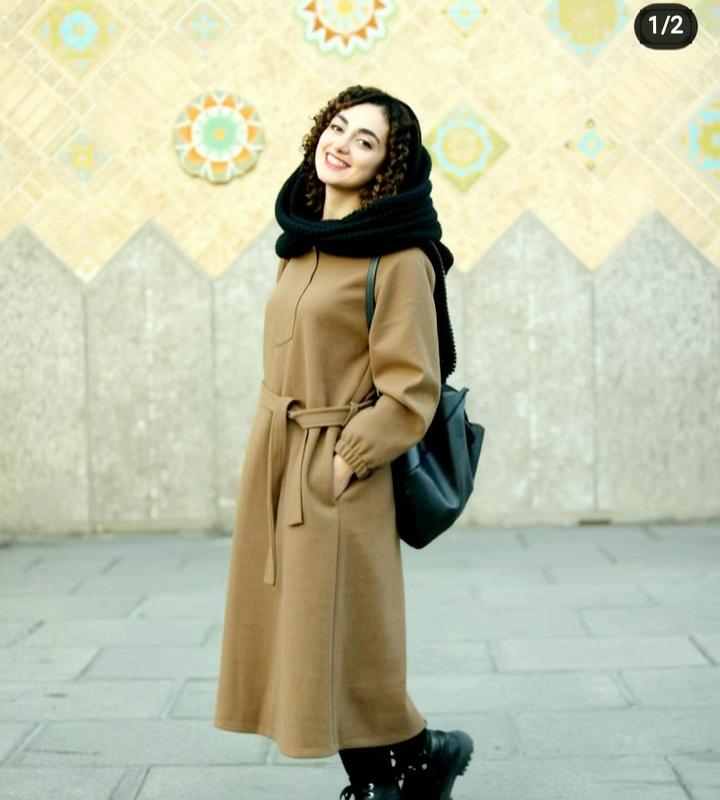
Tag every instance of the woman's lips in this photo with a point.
(331, 165)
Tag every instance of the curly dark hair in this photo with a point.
(391, 173)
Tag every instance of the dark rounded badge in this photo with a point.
(665, 26)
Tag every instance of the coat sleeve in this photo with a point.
(281, 267)
(405, 366)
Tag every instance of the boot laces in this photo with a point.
(365, 793)
(422, 763)
(417, 768)
(423, 759)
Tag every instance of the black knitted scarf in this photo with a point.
(390, 223)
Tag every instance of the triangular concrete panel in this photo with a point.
(151, 387)
(44, 480)
(528, 346)
(657, 334)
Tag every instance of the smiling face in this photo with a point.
(358, 137)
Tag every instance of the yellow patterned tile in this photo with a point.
(464, 147)
(78, 34)
(585, 29)
(466, 15)
(205, 26)
(592, 146)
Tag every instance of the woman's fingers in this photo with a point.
(342, 472)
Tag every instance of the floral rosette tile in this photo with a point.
(218, 136)
(345, 26)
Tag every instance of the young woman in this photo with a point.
(313, 651)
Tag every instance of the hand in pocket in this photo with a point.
(342, 473)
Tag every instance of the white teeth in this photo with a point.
(331, 158)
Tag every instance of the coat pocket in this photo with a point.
(348, 486)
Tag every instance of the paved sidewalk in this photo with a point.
(583, 661)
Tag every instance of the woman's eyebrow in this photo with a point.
(362, 130)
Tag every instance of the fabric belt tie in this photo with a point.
(318, 417)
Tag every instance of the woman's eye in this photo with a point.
(337, 127)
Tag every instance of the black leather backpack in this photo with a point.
(433, 480)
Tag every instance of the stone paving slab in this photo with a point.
(624, 573)
(55, 663)
(138, 742)
(588, 554)
(441, 621)
(120, 632)
(608, 652)
(59, 783)
(652, 620)
(132, 663)
(159, 583)
(86, 699)
(455, 656)
(184, 605)
(632, 731)
(666, 551)
(38, 608)
(151, 564)
(710, 643)
(241, 783)
(700, 528)
(584, 595)
(700, 773)
(570, 778)
(195, 699)
(498, 546)
(512, 692)
(684, 590)
(37, 583)
(11, 734)
(11, 632)
(679, 687)
(534, 536)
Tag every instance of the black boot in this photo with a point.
(371, 791)
(444, 757)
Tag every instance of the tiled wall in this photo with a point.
(577, 179)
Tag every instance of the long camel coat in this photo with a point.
(313, 648)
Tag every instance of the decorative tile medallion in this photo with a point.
(204, 25)
(218, 136)
(77, 33)
(592, 146)
(465, 14)
(83, 157)
(708, 15)
(585, 28)
(463, 147)
(700, 140)
(344, 26)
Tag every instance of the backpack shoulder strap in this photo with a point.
(370, 289)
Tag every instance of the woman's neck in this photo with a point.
(339, 204)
